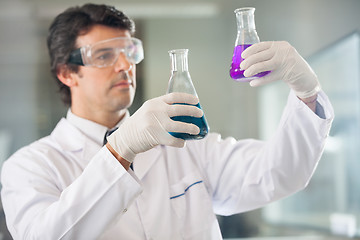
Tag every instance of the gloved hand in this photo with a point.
(150, 125)
(284, 62)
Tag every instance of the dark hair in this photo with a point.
(73, 22)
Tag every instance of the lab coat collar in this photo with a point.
(93, 130)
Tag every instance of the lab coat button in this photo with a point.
(125, 210)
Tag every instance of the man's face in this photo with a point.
(107, 89)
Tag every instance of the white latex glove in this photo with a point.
(150, 125)
(284, 62)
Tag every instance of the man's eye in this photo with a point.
(105, 56)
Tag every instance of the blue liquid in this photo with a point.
(200, 122)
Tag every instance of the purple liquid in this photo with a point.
(200, 122)
(235, 72)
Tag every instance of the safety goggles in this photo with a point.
(106, 53)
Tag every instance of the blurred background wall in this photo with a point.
(30, 105)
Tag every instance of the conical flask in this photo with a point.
(180, 81)
(246, 36)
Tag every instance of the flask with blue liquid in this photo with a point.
(180, 81)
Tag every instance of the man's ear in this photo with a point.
(66, 76)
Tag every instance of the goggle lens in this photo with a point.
(106, 53)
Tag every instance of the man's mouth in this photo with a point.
(124, 81)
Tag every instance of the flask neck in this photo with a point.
(245, 19)
(179, 60)
(246, 32)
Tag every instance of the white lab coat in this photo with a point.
(65, 186)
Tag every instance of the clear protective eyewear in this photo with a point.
(106, 53)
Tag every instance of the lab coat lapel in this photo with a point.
(68, 137)
(144, 161)
(72, 140)
(90, 149)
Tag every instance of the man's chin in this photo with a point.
(123, 103)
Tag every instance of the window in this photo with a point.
(332, 199)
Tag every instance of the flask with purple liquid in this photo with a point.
(180, 81)
(246, 36)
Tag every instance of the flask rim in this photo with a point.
(183, 50)
(244, 9)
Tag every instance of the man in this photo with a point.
(69, 186)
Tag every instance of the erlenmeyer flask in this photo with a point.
(246, 36)
(180, 81)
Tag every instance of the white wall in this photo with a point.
(230, 107)
(18, 58)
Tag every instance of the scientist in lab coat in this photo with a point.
(144, 183)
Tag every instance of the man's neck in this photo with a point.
(108, 119)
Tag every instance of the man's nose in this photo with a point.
(122, 63)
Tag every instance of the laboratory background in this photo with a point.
(325, 32)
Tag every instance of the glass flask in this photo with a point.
(246, 36)
(180, 81)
